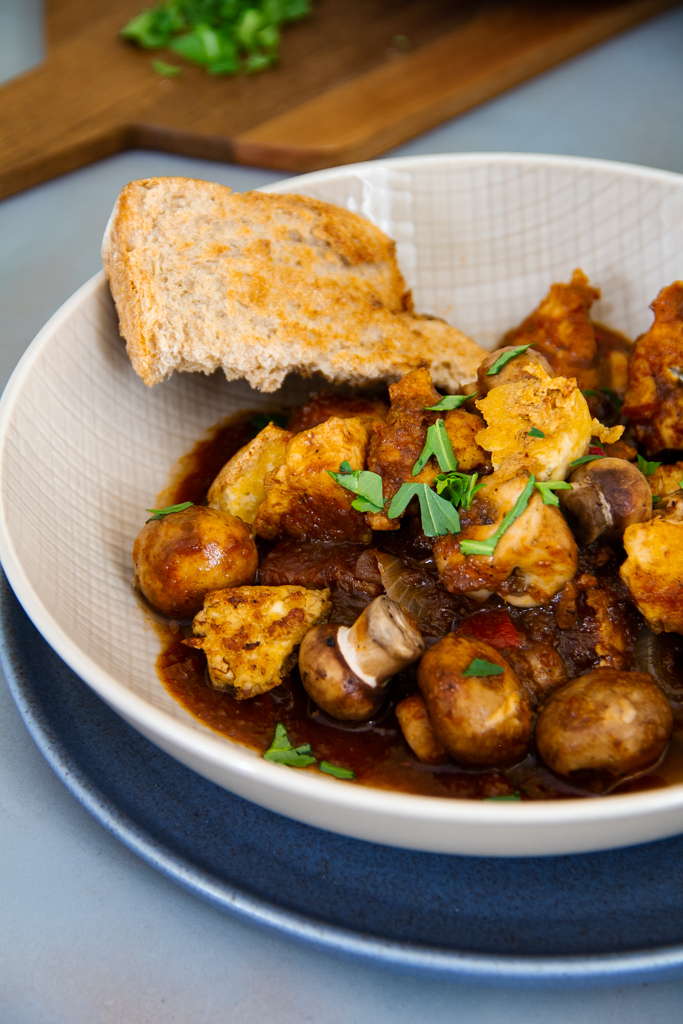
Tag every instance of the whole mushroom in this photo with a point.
(606, 722)
(345, 670)
(484, 720)
(607, 495)
(181, 556)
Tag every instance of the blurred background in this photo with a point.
(90, 933)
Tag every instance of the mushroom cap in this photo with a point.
(607, 721)
(481, 720)
(181, 557)
(607, 495)
(329, 681)
(513, 370)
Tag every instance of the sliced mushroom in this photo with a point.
(345, 670)
(607, 495)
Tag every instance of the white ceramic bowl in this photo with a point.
(85, 447)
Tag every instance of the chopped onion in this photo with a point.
(391, 569)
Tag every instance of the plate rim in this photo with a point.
(473, 968)
(214, 749)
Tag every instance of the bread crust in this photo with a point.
(262, 285)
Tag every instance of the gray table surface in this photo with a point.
(89, 934)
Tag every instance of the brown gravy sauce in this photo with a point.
(375, 751)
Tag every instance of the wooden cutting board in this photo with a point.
(345, 88)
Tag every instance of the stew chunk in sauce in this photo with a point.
(457, 596)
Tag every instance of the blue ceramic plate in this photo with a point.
(590, 919)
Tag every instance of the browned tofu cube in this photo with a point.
(250, 635)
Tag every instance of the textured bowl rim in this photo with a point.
(216, 750)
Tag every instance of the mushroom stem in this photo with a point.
(383, 640)
(346, 670)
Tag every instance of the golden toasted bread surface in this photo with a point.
(262, 285)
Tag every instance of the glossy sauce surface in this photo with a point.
(376, 751)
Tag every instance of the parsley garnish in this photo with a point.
(480, 667)
(647, 468)
(511, 796)
(458, 488)
(439, 445)
(281, 750)
(487, 547)
(367, 485)
(224, 36)
(449, 402)
(438, 515)
(334, 769)
(546, 488)
(585, 458)
(535, 432)
(505, 358)
(159, 513)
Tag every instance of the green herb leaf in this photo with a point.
(159, 513)
(439, 445)
(511, 797)
(647, 468)
(535, 432)
(481, 667)
(488, 546)
(590, 393)
(367, 485)
(583, 459)
(449, 402)
(281, 751)
(334, 769)
(656, 498)
(505, 358)
(223, 36)
(295, 757)
(402, 499)
(167, 70)
(438, 515)
(546, 488)
(458, 488)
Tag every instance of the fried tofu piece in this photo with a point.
(239, 488)
(533, 559)
(250, 635)
(554, 406)
(462, 428)
(417, 730)
(653, 570)
(396, 445)
(654, 397)
(561, 329)
(666, 479)
(302, 500)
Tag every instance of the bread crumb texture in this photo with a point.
(262, 285)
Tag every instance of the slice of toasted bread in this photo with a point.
(263, 285)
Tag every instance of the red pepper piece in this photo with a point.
(494, 627)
